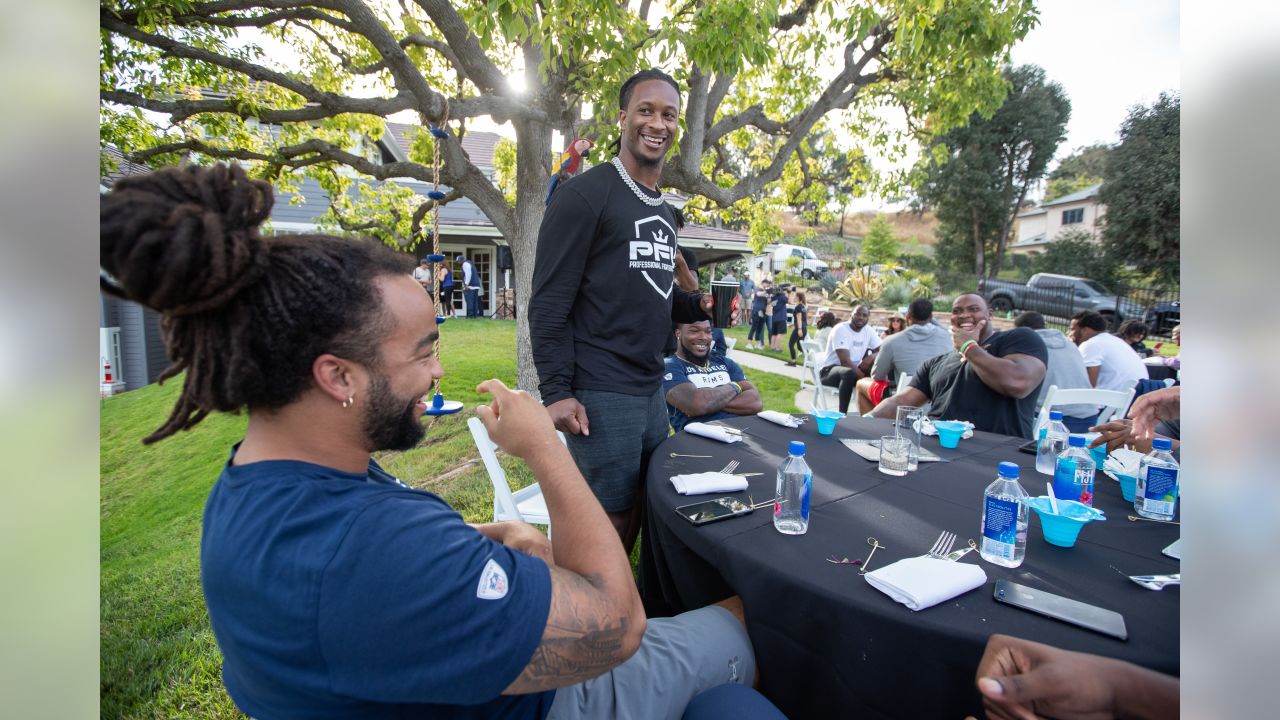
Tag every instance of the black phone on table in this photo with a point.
(1090, 617)
(709, 511)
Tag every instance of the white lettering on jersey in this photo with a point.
(653, 249)
(493, 582)
(710, 379)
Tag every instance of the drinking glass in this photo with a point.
(907, 427)
(894, 452)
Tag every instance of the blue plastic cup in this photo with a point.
(1063, 527)
(827, 420)
(1128, 486)
(1099, 453)
(949, 432)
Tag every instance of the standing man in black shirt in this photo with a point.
(603, 300)
(990, 380)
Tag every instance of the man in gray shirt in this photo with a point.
(903, 352)
(1065, 369)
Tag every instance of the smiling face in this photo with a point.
(858, 319)
(694, 340)
(650, 123)
(407, 369)
(967, 311)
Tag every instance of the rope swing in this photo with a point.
(438, 406)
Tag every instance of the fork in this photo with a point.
(957, 554)
(730, 467)
(943, 545)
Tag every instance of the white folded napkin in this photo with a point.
(714, 432)
(922, 582)
(1123, 461)
(778, 418)
(698, 483)
(927, 428)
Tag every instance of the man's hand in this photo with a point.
(516, 422)
(960, 337)
(1119, 433)
(1025, 680)
(569, 416)
(1154, 407)
(520, 536)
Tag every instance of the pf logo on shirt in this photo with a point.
(493, 582)
(653, 249)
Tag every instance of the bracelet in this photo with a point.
(737, 387)
(967, 344)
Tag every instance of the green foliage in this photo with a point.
(1088, 161)
(879, 245)
(975, 177)
(897, 292)
(1063, 186)
(860, 286)
(1075, 252)
(504, 169)
(1141, 191)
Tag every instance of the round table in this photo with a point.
(1157, 370)
(827, 642)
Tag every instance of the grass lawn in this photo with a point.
(158, 655)
(741, 331)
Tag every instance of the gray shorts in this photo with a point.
(615, 456)
(678, 658)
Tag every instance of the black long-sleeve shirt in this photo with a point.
(603, 292)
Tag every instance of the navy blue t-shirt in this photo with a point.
(718, 371)
(336, 595)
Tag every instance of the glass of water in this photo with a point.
(907, 427)
(894, 452)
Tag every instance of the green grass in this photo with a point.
(740, 332)
(158, 655)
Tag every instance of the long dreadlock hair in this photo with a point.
(244, 315)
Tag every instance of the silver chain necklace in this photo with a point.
(626, 178)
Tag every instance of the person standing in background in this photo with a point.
(799, 326)
(444, 276)
(470, 286)
(777, 318)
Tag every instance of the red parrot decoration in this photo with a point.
(568, 164)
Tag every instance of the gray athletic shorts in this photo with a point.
(678, 658)
(624, 431)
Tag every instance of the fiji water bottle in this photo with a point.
(1073, 474)
(795, 484)
(1157, 492)
(1050, 442)
(1004, 519)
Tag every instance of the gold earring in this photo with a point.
(348, 402)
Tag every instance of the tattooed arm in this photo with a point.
(596, 619)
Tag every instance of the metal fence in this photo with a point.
(1158, 307)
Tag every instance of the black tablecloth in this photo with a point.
(1160, 372)
(829, 644)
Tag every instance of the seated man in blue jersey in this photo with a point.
(701, 385)
(334, 590)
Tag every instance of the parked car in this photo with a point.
(1059, 296)
(1162, 317)
(775, 261)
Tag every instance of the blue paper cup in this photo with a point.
(1063, 527)
(1099, 453)
(949, 432)
(827, 420)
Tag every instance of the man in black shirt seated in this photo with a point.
(991, 380)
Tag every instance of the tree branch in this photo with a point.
(797, 16)
(472, 59)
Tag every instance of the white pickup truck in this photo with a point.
(775, 260)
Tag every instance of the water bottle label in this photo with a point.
(1064, 480)
(1162, 484)
(1084, 485)
(1000, 521)
(804, 495)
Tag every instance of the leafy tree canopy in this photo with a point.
(977, 176)
(1141, 191)
(299, 89)
(1077, 171)
(879, 245)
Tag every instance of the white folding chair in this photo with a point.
(904, 381)
(1114, 402)
(525, 504)
(812, 379)
(728, 345)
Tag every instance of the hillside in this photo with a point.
(907, 226)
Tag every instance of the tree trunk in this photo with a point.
(533, 167)
(979, 252)
(1004, 232)
(844, 209)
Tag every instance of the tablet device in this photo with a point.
(1089, 617)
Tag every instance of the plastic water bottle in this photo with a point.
(795, 485)
(1004, 519)
(1051, 440)
(1073, 473)
(1157, 493)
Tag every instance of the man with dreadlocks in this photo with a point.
(604, 298)
(333, 589)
